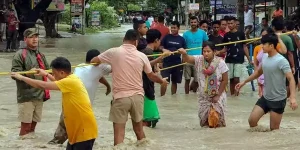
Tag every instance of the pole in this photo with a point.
(266, 9)
(187, 13)
(178, 10)
(215, 10)
(254, 13)
(83, 17)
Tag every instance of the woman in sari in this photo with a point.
(212, 78)
(258, 55)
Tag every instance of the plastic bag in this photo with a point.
(213, 118)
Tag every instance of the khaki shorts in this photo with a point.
(30, 111)
(235, 70)
(189, 71)
(121, 107)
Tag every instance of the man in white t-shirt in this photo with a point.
(90, 77)
(248, 20)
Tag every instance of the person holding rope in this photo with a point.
(30, 99)
(276, 70)
(171, 43)
(151, 113)
(90, 76)
(141, 28)
(81, 124)
(212, 78)
(128, 94)
(235, 54)
(193, 38)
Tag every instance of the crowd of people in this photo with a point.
(135, 69)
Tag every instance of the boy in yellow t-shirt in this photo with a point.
(79, 118)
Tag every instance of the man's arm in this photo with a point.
(104, 82)
(292, 84)
(257, 73)
(246, 50)
(96, 60)
(39, 84)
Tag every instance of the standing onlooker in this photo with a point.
(160, 26)
(223, 27)
(12, 32)
(172, 42)
(235, 54)
(141, 28)
(264, 24)
(248, 20)
(3, 19)
(278, 12)
(30, 99)
(194, 39)
(216, 38)
(204, 25)
(128, 94)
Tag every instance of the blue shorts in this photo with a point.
(175, 74)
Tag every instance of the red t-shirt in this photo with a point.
(222, 33)
(12, 26)
(162, 29)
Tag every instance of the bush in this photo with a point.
(108, 15)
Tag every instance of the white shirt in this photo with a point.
(151, 19)
(248, 18)
(90, 76)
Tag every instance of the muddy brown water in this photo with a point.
(178, 128)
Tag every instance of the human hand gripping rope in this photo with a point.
(175, 52)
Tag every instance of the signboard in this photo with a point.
(77, 21)
(194, 6)
(226, 9)
(95, 18)
(219, 2)
(55, 5)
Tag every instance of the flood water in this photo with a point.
(178, 128)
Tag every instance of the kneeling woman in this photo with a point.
(212, 79)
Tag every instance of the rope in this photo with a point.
(49, 71)
(223, 44)
(173, 66)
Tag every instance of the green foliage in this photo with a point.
(133, 7)
(65, 16)
(108, 14)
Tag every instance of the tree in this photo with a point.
(240, 13)
(28, 16)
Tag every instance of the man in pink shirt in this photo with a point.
(127, 65)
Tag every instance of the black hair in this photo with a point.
(231, 18)
(216, 22)
(269, 30)
(209, 44)
(290, 25)
(161, 19)
(137, 24)
(270, 38)
(193, 18)
(278, 23)
(131, 35)
(175, 23)
(91, 54)
(61, 63)
(223, 20)
(152, 35)
(226, 18)
(202, 22)
(265, 19)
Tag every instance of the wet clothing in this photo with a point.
(275, 106)
(274, 70)
(195, 39)
(85, 145)
(25, 92)
(151, 112)
(205, 101)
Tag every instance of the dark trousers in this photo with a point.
(11, 39)
(85, 145)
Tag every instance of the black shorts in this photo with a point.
(85, 145)
(174, 73)
(275, 106)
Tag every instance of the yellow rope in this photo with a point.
(173, 66)
(49, 71)
(223, 44)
